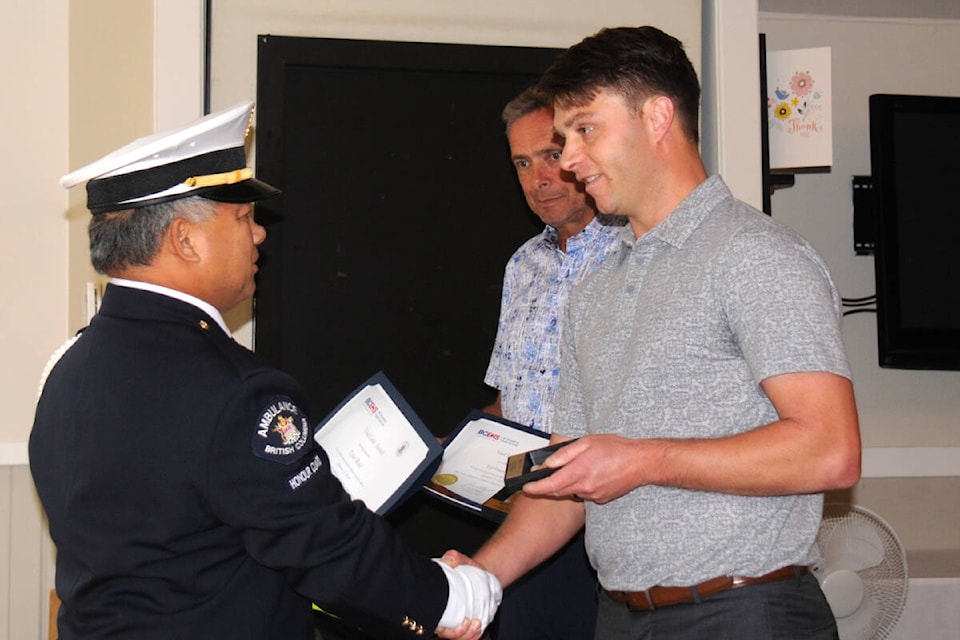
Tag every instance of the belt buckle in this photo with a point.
(650, 605)
(633, 606)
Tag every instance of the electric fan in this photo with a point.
(863, 572)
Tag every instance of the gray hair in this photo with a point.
(132, 237)
(529, 101)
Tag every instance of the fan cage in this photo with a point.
(886, 583)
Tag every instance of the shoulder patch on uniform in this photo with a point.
(282, 431)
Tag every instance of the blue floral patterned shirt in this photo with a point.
(525, 363)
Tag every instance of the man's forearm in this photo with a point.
(535, 529)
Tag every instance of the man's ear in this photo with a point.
(660, 112)
(181, 237)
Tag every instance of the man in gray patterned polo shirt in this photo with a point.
(702, 373)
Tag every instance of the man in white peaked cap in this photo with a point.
(162, 450)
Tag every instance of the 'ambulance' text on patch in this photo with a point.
(281, 432)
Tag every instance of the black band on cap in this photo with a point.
(106, 194)
(251, 190)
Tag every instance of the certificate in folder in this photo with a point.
(471, 473)
(379, 449)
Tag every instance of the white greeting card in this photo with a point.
(799, 108)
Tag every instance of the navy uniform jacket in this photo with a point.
(187, 498)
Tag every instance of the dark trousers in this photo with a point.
(794, 609)
(555, 601)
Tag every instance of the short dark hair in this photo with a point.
(634, 62)
(132, 237)
(529, 100)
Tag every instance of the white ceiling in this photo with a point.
(937, 9)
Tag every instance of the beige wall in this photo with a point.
(33, 240)
(111, 103)
(83, 82)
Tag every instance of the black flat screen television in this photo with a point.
(914, 144)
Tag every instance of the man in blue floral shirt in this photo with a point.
(559, 599)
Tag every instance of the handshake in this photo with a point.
(472, 603)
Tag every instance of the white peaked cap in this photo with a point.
(205, 158)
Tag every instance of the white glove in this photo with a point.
(474, 593)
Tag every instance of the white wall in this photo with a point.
(897, 408)
(729, 134)
(915, 487)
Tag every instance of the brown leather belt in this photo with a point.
(656, 597)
